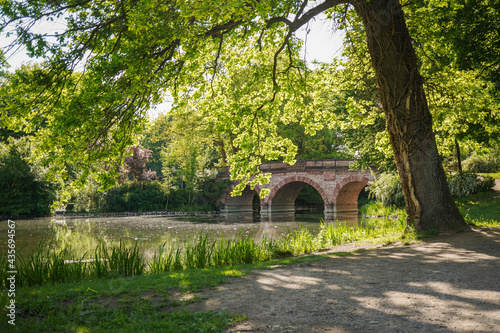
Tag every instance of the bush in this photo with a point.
(135, 197)
(463, 184)
(486, 164)
(387, 189)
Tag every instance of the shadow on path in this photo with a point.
(447, 284)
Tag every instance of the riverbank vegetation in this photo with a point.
(126, 292)
(44, 265)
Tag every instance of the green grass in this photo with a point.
(149, 303)
(132, 304)
(492, 175)
(481, 209)
(377, 209)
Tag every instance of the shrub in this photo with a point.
(463, 184)
(135, 197)
(476, 163)
(387, 189)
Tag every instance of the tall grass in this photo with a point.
(43, 266)
(116, 261)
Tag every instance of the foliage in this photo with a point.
(308, 196)
(87, 198)
(236, 64)
(462, 91)
(189, 161)
(464, 105)
(387, 189)
(463, 184)
(146, 197)
(66, 122)
(155, 137)
(346, 97)
(482, 163)
(324, 144)
(466, 31)
(134, 197)
(134, 166)
(25, 189)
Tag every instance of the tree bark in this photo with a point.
(429, 204)
(459, 156)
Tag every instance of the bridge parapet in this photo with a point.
(307, 165)
(302, 165)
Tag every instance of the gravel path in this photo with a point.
(447, 284)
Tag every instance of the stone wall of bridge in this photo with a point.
(338, 186)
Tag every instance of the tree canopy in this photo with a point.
(236, 61)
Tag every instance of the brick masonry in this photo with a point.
(339, 188)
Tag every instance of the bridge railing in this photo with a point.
(307, 165)
(300, 165)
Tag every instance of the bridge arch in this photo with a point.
(240, 203)
(347, 191)
(282, 195)
(338, 186)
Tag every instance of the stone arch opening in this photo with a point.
(245, 202)
(347, 197)
(283, 200)
(309, 200)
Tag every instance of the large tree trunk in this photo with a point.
(429, 203)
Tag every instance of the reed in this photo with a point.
(199, 254)
(43, 266)
(117, 261)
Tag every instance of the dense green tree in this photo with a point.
(456, 41)
(24, 187)
(133, 50)
(463, 104)
(190, 158)
(464, 33)
(324, 144)
(155, 137)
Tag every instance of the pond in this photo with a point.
(82, 235)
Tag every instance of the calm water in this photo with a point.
(84, 234)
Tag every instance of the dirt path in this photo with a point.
(447, 284)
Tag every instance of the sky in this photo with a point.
(322, 43)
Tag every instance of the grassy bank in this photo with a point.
(149, 303)
(481, 209)
(124, 292)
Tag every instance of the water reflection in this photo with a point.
(83, 235)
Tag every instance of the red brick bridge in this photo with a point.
(338, 186)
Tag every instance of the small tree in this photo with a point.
(134, 166)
